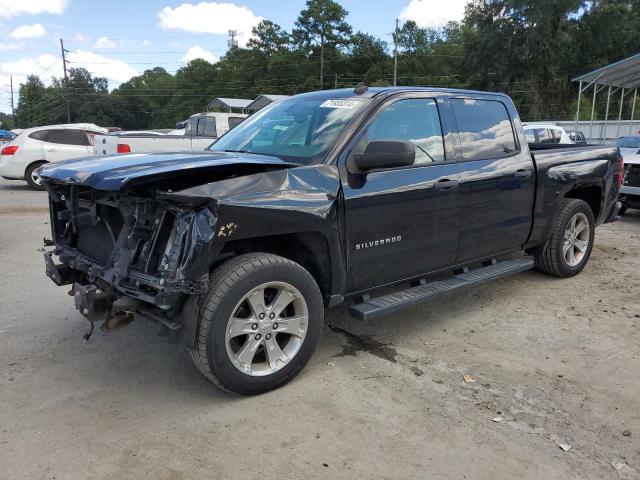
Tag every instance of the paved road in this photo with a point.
(556, 359)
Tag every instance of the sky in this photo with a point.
(119, 39)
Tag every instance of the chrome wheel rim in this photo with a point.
(34, 177)
(576, 239)
(267, 328)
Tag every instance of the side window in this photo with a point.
(416, 120)
(484, 127)
(209, 127)
(41, 135)
(530, 135)
(192, 127)
(234, 121)
(557, 135)
(544, 135)
(67, 137)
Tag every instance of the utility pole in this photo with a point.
(335, 81)
(395, 55)
(66, 80)
(321, 63)
(13, 112)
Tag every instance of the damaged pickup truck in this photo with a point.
(381, 197)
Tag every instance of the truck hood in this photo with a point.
(114, 172)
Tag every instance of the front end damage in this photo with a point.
(128, 255)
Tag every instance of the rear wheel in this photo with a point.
(33, 180)
(571, 240)
(259, 325)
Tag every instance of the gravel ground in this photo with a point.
(556, 360)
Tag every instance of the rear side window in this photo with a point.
(484, 127)
(209, 127)
(233, 121)
(544, 135)
(67, 137)
(41, 135)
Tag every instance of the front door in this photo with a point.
(402, 222)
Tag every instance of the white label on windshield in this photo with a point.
(343, 104)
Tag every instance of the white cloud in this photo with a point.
(13, 8)
(5, 47)
(101, 66)
(198, 52)
(210, 17)
(28, 31)
(80, 37)
(104, 42)
(34, 66)
(433, 13)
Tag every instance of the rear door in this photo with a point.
(66, 144)
(498, 180)
(403, 221)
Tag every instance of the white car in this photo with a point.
(33, 147)
(546, 133)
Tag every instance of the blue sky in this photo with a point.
(121, 38)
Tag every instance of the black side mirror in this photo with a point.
(386, 154)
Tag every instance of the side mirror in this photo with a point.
(386, 154)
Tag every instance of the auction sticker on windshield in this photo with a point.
(343, 104)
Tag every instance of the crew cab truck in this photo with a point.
(379, 197)
(201, 130)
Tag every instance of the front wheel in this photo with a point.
(259, 325)
(571, 241)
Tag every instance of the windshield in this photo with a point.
(298, 130)
(628, 142)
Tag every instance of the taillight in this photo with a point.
(10, 150)
(620, 172)
(123, 148)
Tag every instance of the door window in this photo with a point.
(484, 127)
(415, 120)
(233, 121)
(67, 137)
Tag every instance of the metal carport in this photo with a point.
(623, 76)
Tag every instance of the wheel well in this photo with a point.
(309, 249)
(591, 195)
(35, 163)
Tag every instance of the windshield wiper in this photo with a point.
(237, 151)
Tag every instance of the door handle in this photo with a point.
(522, 173)
(446, 184)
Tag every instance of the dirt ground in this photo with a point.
(556, 360)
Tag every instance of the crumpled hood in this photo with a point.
(114, 172)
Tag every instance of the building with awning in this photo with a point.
(619, 78)
(262, 101)
(230, 105)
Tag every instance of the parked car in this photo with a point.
(202, 129)
(577, 137)
(315, 200)
(546, 133)
(630, 192)
(33, 147)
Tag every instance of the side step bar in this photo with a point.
(392, 302)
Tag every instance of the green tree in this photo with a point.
(269, 38)
(322, 23)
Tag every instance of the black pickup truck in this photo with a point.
(381, 197)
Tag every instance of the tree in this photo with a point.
(269, 38)
(322, 23)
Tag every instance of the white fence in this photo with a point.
(600, 131)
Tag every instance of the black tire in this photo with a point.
(28, 175)
(623, 210)
(552, 261)
(229, 284)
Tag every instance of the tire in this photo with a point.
(623, 210)
(556, 259)
(30, 177)
(221, 358)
